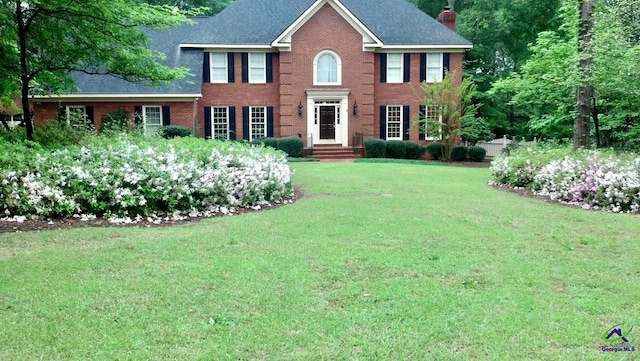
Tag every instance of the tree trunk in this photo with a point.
(596, 122)
(584, 92)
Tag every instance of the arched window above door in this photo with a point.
(327, 69)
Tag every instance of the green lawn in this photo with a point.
(375, 262)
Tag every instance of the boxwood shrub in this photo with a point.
(414, 150)
(435, 149)
(293, 146)
(477, 154)
(375, 148)
(396, 149)
(175, 131)
(459, 153)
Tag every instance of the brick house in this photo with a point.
(321, 69)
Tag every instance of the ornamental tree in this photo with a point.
(44, 41)
(454, 102)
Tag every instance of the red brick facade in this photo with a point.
(293, 85)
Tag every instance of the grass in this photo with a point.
(376, 262)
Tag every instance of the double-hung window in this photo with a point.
(327, 69)
(257, 68)
(434, 67)
(394, 68)
(76, 116)
(394, 122)
(151, 119)
(432, 128)
(219, 67)
(220, 122)
(257, 122)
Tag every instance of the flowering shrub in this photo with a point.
(150, 178)
(590, 179)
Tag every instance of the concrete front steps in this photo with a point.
(335, 152)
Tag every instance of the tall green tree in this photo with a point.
(48, 40)
(202, 7)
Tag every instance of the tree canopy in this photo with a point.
(45, 41)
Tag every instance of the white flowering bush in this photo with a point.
(126, 179)
(590, 179)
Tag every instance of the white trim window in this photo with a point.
(327, 69)
(434, 67)
(395, 68)
(76, 116)
(257, 122)
(394, 122)
(151, 119)
(433, 123)
(220, 122)
(257, 68)
(219, 67)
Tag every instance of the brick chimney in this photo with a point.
(448, 18)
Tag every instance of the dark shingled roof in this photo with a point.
(166, 42)
(260, 22)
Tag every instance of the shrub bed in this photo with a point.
(396, 149)
(459, 153)
(414, 150)
(375, 148)
(293, 146)
(477, 154)
(590, 179)
(119, 178)
(435, 149)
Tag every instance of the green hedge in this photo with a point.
(293, 146)
(375, 148)
(477, 154)
(435, 149)
(459, 153)
(396, 149)
(414, 150)
(175, 131)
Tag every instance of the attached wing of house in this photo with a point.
(322, 69)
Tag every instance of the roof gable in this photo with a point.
(271, 23)
(369, 39)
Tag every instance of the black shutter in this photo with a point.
(383, 122)
(245, 67)
(232, 123)
(207, 123)
(206, 68)
(62, 113)
(383, 68)
(446, 59)
(137, 114)
(407, 68)
(245, 123)
(406, 122)
(423, 123)
(231, 68)
(423, 67)
(269, 121)
(269, 67)
(89, 113)
(166, 116)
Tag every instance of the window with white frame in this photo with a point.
(327, 69)
(257, 122)
(432, 122)
(151, 119)
(220, 122)
(394, 68)
(219, 67)
(434, 67)
(76, 116)
(257, 68)
(394, 122)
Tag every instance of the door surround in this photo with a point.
(338, 98)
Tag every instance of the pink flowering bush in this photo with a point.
(590, 179)
(122, 178)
